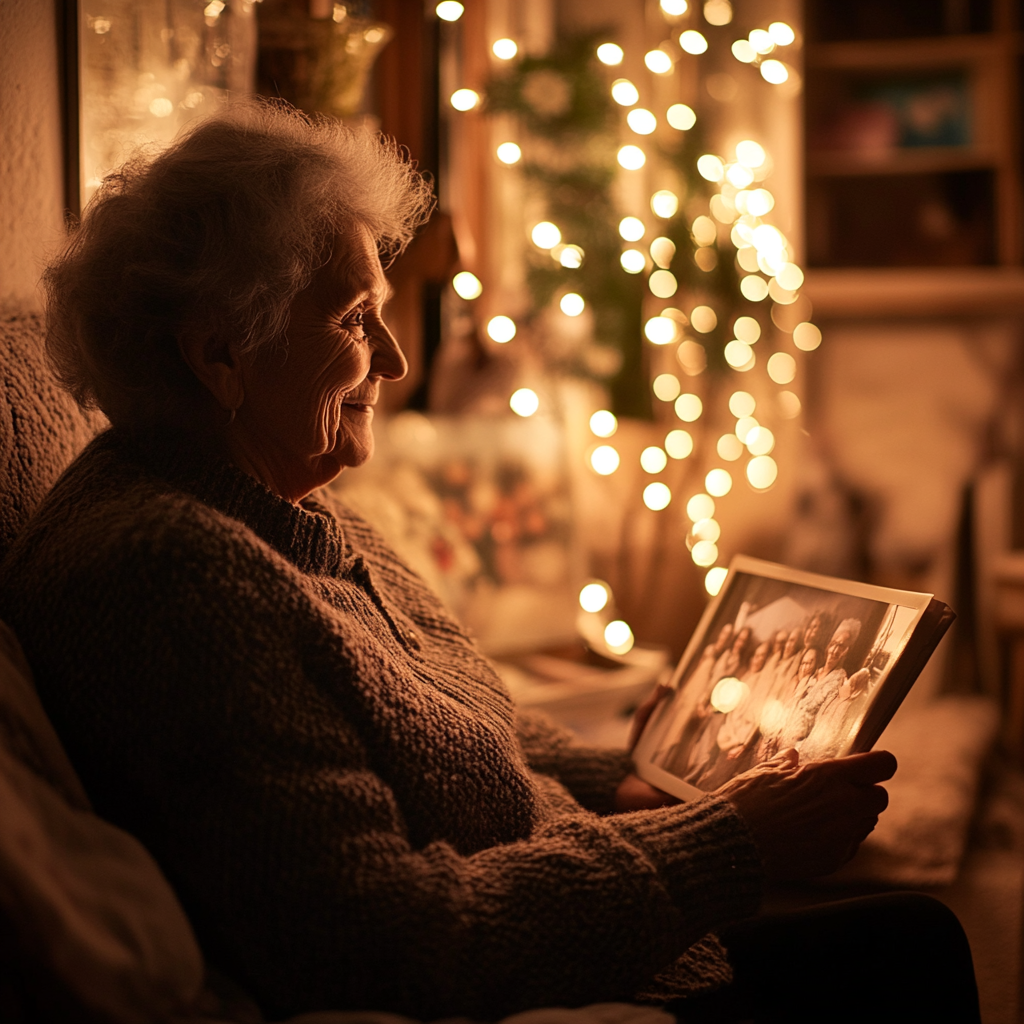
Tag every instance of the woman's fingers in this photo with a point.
(863, 769)
(643, 713)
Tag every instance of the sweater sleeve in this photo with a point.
(591, 774)
(177, 694)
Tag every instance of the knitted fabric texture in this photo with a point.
(41, 427)
(327, 769)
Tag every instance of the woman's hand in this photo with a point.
(642, 715)
(808, 820)
(634, 794)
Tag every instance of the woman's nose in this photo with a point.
(388, 360)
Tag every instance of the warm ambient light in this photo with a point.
(660, 330)
(545, 235)
(742, 403)
(703, 319)
(467, 285)
(504, 49)
(681, 117)
(762, 472)
(718, 12)
(632, 158)
(572, 304)
(688, 408)
(653, 459)
(610, 54)
(509, 153)
(710, 167)
(618, 636)
(632, 229)
(714, 579)
(464, 99)
(806, 337)
(781, 367)
(603, 423)
(666, 387)
(570, 256)
(664, 203)
(781, 34)
(699, 507)
(449, 10)
(501, 329)
(663, 284)
(774, 71)
(604, 460)
(524, 402)
(663, 251)
(657, 496)
(750, 154)
(594, 597)
(642, 121)
(729, 447)
(754, 288)
(633, 261)
(658, 62)
(624, 92)
(718, 482)
(678, 444)
(693, 42)
(674, 8)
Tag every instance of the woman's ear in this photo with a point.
(216, 365)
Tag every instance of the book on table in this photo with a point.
(786, 659)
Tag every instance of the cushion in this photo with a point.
(83, 899)
(41, 427)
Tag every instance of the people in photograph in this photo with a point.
(839, 715)
(779, 720)
(786, 670)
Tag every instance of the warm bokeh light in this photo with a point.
(747, 329)
(745, 425)
(653, 459)
(610, 54)
(750, 153)
(714, 579)
(781, 34)
(703, 230)
(729, 447)
(761, 41)
(633, 261)
(693, 42)
(689, 407)
(642, 121)
(624, 92)
(504, 49)
(718, 483)
(806, 337)
(744, 52)
(467, 285)
(762, 472)
(728, 694)
(618, 636)
(666, 387)
(571, 304)
(706, 529)
(658, 62)
(449, 10)
(774, 71)
(681, 117)
(594, 596)
(700, 506)
(501, 329)
(632, 158)
(571, 256)
(663, 284)
(657, 496)
(632, 229)
(739, 355)
(747, 258)
(660, 330)
(703, 319)
(664, 203)
(789, 405)
(674, 8)
(739, 176)
(758, 202)
(693, 357)
(760, 441)
(161, 107)
(754, 288)
(604, 460)
(790, 277)
(678, 444)
(464, 99)
(663, 251)
(603, 423)
(509, 153)
(704, 552)
(545, 235)
(710, 167)
(524, 402)
(781, 367)
(718, 12)
(742, 403)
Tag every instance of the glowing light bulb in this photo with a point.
(618, 636)
(714, 579)
(688, 408)
(774, 71)
(762, 472)
(718, 483)
(604, 460)
(664, 203)
(657, 496)
(759, 202)
(739, 176)
(745, 426)
(703, 230)
(753, 287)
(161, 107)
(632, 229)
(704, 552)
(449, 10)
(761, 41)
(789, 405)
(633, 261)
(703, 319)
(653, 459)
(467, 285)
(744, 52)
(742, 403)
(464, 99)
(660, 330)
(678, 444)
(603, 423)
(545, 235)
(700, 506)
(674, 8)
(663, 284)
(739, 355)
(693, 42)
(642, 121)
(571, 256)
(750, 153)
(524, 402)
(504, 49)
(806, 337)
(760, 441)
(710, 167)
(747, 329)
(681, 117)
(790, 277)
(729, 447)
(572, 304)
(501, 329)
(781, 368)
(658, 62)
(781, 34)
(610, 54)
(666, 387)
(509, 153)
(594, 597)
(718, 12)
(632, 158)
(662, 251)
(624, 92)
(706, 529)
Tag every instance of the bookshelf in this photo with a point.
(913, 184)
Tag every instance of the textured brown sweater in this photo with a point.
(329, 772)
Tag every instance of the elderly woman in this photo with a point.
(331, 775)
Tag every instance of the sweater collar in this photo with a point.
(308, 535)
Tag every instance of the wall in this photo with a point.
(31, 157)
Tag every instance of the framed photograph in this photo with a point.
(786, 659)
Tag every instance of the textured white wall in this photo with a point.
(31, 174)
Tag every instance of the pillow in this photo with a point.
(84, 900)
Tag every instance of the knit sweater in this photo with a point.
(327, 769)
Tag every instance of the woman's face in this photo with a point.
(793, 643)
(760, 656)
(307, 412)
(808, 663)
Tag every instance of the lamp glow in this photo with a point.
(504, 49)
(632, 158)
(700, 506)
(693, 42)
(657, 496)
(653, 459)
(610, 54)
(718, 483)
(642, 121)
(501, 329)
(806, 337)
(681, 117)
(658, 62)
(572, 304)
(464, 99)
(618, 636)
(594, 597)
(774, 71)
(781, 369)
(509, 153)
(449, 10)
(603, 423)
(545, 235)
(633, 261)
(660, 330)
(524, 402)
(604, 460)
(467, 285)
(632, 229)
(664, 203)
(624, 92)
(678, 444)
(714, 579)
(688, 408)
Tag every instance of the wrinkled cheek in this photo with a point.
(327, 423)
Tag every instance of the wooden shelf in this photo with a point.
(925, 160)
(911, 292)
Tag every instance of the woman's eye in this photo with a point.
(354, 319)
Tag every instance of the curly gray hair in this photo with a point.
(216, 234)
